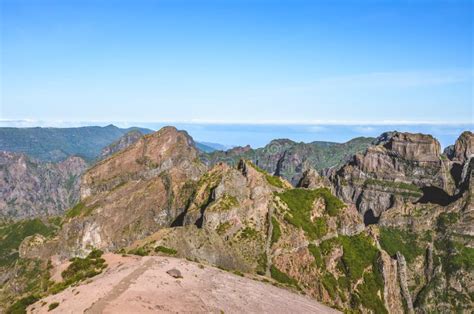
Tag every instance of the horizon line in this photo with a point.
(54, 123)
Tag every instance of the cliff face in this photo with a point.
(30, 188)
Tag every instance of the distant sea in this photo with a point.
(258, 135)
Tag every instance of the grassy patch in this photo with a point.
(359, 253)
(223, 227)
(248, 233)
(225, 203)
(19, 307)
(330, 284)
(276, 233)
(300, 202)
(395, 240)
(140, 251)
(80, 269)
(316, 252)
(281, 277)
(368, 293)
(333, 204)
(79, 210)
(165, 250)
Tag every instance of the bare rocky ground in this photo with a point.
(133, 284)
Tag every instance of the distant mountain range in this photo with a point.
(57, 144)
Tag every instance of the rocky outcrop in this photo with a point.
(29, 188)
(123, 142)
(392, 295)
(312, 180)
(402, 277)
(393, 172)
(464, 147)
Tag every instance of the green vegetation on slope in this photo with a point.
(394, 240)
(165, 250)
(368, 290)
(224, 203)
(300, 202)
(316, 252)
(80, 269)
(457, 256)
(276, 232)
(79, 210)
(12, 234)
(281, 277)
(359, 253)
(359, 261)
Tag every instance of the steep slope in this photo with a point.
(289, 159)
(57, 144)
(29, 188)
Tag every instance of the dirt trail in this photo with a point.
(123, 285)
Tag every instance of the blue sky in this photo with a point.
(237, 61)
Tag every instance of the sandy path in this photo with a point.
(141, 285)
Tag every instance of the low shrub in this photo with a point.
(165, 250)
(276, 233)
(52, 306)
(281, 277)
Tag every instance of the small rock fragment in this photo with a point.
(175, 273)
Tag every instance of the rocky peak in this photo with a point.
(414, 147)
(464, 147)
(166, 149)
